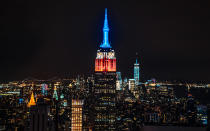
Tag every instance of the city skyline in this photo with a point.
(171, 39)
(106, 97)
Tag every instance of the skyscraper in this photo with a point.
(136, 72)
(119, 81)
(105, 83)
(32, 101)
(131, 84)
(55, 95)
(76, 115)
(44, 89)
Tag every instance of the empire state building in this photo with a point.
(105, 83)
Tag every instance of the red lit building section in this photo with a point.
(105, 62)
(107, 65)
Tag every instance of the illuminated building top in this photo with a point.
(105, 59)
(105, 43)
(32, 101)
(136, 72)
(55, 95)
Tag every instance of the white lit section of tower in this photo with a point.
(136, 72)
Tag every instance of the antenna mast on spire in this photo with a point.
(105, 43)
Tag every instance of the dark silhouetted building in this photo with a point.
(39, 117)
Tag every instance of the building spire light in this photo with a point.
(105, 43)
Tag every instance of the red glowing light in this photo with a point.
(105, 65)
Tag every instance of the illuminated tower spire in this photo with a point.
(136, 72)
(55, 95)
(105, 43)
(104, 85)
(32, 101)
(105, 59)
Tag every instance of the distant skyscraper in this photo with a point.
(131, 84)
(119, 81)
(105, 84)
(133, 87)
(136, 72)
(44, 89)
(55, 95)
(202, 115)
(76, 115)
(105, 59)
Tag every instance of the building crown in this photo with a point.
(32, 101)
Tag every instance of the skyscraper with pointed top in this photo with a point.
(105, 59)
(105, 83)
(32, 101)
(136, 72)
(55, 95)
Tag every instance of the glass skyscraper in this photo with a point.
(136, 72)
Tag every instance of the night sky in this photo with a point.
(44, 39)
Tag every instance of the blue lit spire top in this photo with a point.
(105, 43)
(136, 62)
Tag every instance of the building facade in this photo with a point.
(76, 115)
